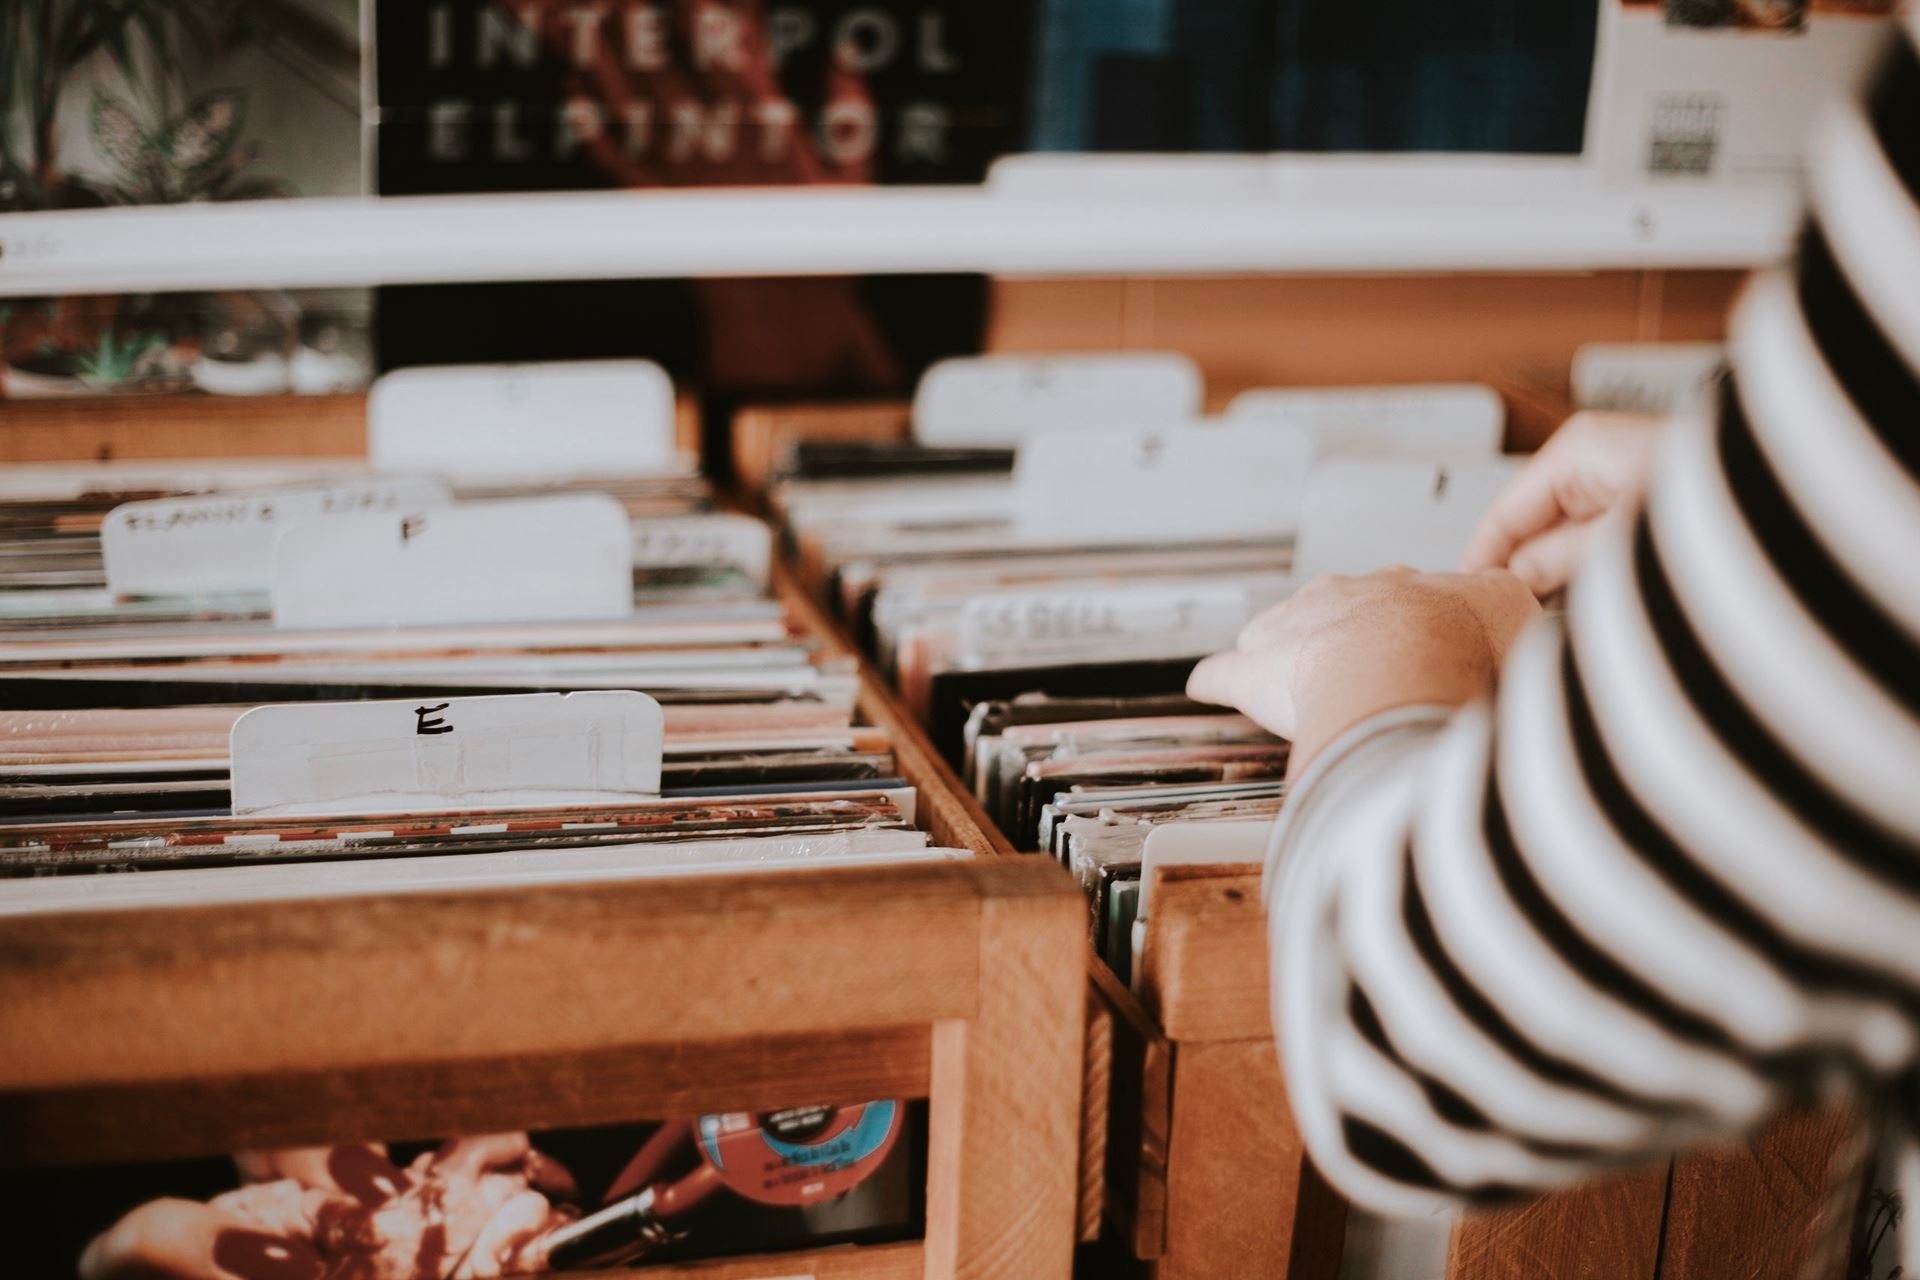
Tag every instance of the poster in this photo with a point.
(1723, 92)
(491, 95)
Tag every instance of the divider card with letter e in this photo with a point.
(423, 755)
(212, 544)
(1189, 482)
(1363, 514)
(589, 417)
(1432, 420)
(998, 401)
(527, 560)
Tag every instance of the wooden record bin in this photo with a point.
(201, 1030)
(1204, 1174)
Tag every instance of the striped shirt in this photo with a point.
(1669, 878)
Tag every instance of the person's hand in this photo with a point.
(1539, 526)
(1343, 648)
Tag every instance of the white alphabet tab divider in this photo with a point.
(522, 560)
(1643, 377)
(997, 401)
(1438, 419)
(587, 417)
(1193, 618)
(1363, 514)
(438, 754)
(1186, 483)
(222, 543)
(707, 541)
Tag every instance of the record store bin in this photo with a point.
(1024, 1100)
(596, 602)
(868, 1069)
(1204, 1172)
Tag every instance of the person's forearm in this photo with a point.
(1386, 659)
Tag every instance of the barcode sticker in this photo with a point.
(1683, 136)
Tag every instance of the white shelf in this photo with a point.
(1549, 221)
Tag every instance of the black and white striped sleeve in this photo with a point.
(1670, 876)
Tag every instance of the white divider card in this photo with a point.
(223, 543)
(1363, 514)
(1193, 843)
(1643, 377)
(997, 401)
(589, 417)
(522, 560)
(1436, 419)
(1188, 844)
(1035, 625)
(430, 755)
(1193, 482)
(705, 541)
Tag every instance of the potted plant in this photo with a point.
(152, 144)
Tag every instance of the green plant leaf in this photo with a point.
(117, 132)
(118, 356)
(207, 130)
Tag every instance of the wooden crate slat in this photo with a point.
(102, 428)
(1004, 1116)
(1204, 970)
(104, 997)
(842, 1262)
(99, 429)
(1139, 1105)
(1609, 1230)
(204, 1116)
(1767, 1206)
(1241, 1197)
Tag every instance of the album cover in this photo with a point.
(501, 1204)
(955, 693)
(477, 95)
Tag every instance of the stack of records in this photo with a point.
(149, 610)
(1041, 566)
(265, 681)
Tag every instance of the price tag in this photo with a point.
(1363, 514)
(714, 541)
(996, 401)
(1185, 483)
(220, 543)
(1195, 618)
(1644, 377)
(1467, 418)
(432, 755)
(592, 417)
(524, 560)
